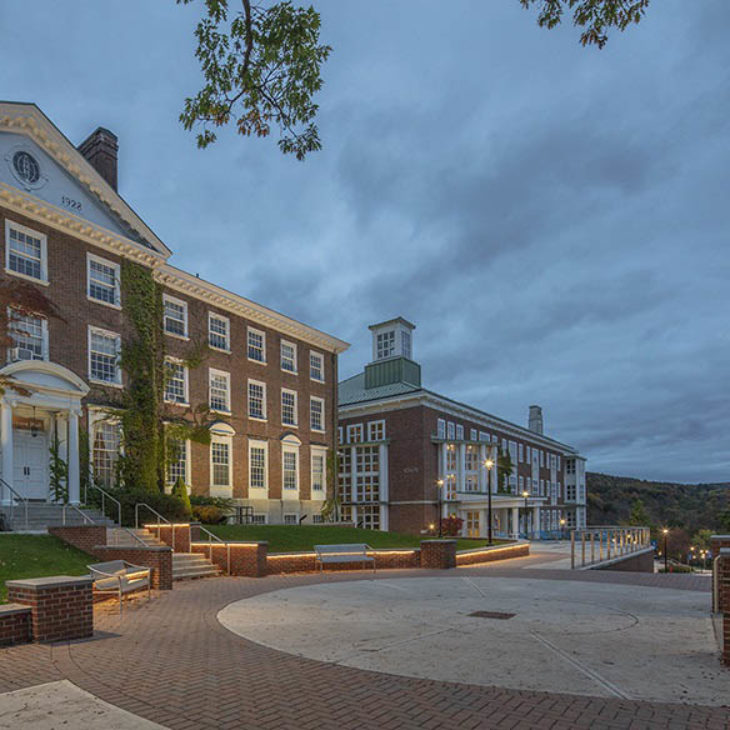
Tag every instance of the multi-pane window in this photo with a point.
(471, 458)
(570, 466)
(472, 434)
(405, 343)
(340, 435)
(258, 519)
(104, 356)
(256, 345)
(368, 517)
(105, 453)
(376, 430)
(441, 428)
(288, 407)
(289, 469)
(317, 472)
(176, 382)
(219, 332)
(256, 400)
(367, 487)
(175, 316)
(220, 459)
(220, 387)
(103, 280)
(451, 430)
(570, 492)
(483, 436)
(521, 450)
(25, 252)
(316, 414)
(291, 519)
(344, 486)
(177, 462)
(257, 465)
(385, 342)
(460, 432)
(288, 357)
(354, 433)
(28, 334)
(316, 366)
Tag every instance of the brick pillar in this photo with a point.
(246, 558)
(439, 554)
(159, 558)
(61, 606)
(14, 624)
(718, 543)
(194, 532)
(723, 576)
(181, 532)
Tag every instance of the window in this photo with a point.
(355, 433)
(104, 357)
(368, 517)
(385, 344)
(522, 483)
(102, 278)
(257, 400)
(558, 462)
(570, 492)
(376, 430)
(483, 436)
(177, 464)
(367, 464)
(219, 391)
(258, 520)
(405, 340)
(504, 445)
(219, 332)
(441, 428)
(318, 471)
(176, 316)
(316, 414)
(542, 458)
(25, 252)
(289, 469)
(340, 435)
(316, 366)
(460, 432)
(288, 356)
(527, 452)
(472, 434)
(471, 458)
(176, 383)
(291, 519)
(105, 452)
(29, 335)
(288, 407)
(570, 466)
(451, 430)
(521, 450)
(220, 462)
(257, 458)
(256, 345)
(317, 519)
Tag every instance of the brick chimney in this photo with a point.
(535, 423)
(100, 149)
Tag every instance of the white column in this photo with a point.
(383, 459)
(483, 526)
(536, 522)
(73, 457)
(515, 528)
(483, 472)
(494, 470)
(353, 478)
(461, 483)
(6, 443)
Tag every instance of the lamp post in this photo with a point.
(562, 528)
(526, 494)
(439, 486)
(665, 532)
(488, 463)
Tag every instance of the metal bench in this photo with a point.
(120, 577)
(354, 553)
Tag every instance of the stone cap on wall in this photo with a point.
(8, 609)
(53, 581)
(133, 548)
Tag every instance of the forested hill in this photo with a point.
(691, 506)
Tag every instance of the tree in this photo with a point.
(261, 63)
(594, 16)
(639, 517)
(504, 470)
(261, 66)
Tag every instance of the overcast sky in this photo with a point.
(554, 219)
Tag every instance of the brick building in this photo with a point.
(405, 450)
(268, 380)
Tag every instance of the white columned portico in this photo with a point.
(515, 527)
(6, 443)
(74, 483)
(536, 522)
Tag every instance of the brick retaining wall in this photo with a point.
(84, 537)
(14, 624)
(61, 607)
(489, 554)
(304, 562)
(181, 533)
(718, 543)
(641, 562)
(438, 554)
(159, 558)
(246, 558)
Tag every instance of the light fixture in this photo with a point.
(33, 425)
(489, 463)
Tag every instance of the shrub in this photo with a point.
(168, 505)
(181, 492)
(451, 526)
(208, 514)
(223, 503)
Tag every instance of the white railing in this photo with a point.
(593, 545)
(160, 520)
(212, 537)
(104, 496)
(15, 497)
(75, 509)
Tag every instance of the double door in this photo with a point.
(30, 463)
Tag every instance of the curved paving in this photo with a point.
(171, 662)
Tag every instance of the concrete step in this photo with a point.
(207, 571)
(122, 538)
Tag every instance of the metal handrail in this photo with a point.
(18, 497)
(104, 495)
(134, 535)
(622, 540)
(210, 547)
(159, 517)
(74, 507)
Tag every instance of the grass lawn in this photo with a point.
(286, 538)
(35, 556)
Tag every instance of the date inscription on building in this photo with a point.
(71, 203)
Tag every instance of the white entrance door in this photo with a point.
(30, 463)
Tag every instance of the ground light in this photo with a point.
(562, 528)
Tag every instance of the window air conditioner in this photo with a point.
(21, 353)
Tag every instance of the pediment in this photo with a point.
(40, 375)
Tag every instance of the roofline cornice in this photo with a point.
(426, 398)
(185, 283)
(30, 120)
(59, 218)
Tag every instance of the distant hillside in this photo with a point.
(691, 506)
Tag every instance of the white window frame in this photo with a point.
(44, 335)
(221, 434)
(227, 377)
(262, 334)
(290, 448)
(105, 333)
(441, 428)
(182, 303)
(472, 434)
(227, 348)
(451, 430)
(186, 477)
(186, 377)
(351, 428)
(251, 382)
(313, 399)
(371, 428)
(117, 303)
(259, 492)
(323, 454)
(287, 343)
(44, 252)
(459, 432)
(319, 356)
(296, 408)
